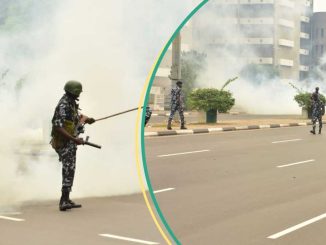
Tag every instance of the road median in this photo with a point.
(225, 126)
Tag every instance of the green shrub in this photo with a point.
(304, 100)
(211, 99)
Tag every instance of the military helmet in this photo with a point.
(73, 87)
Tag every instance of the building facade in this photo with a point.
(318, 37)
(265, 32)
(272, 33)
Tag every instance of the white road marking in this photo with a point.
(10, 213)
(128, 239)
(296, 227)
(285, 141)
(296, 163)
(10, 218)
(182, 153)
(163, 190)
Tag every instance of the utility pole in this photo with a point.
(175, 72)
(176, 59)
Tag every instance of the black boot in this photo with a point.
(313, 130)
(183, 126)
(64, 201)
(73, 205)
(319, 131)
(169, 125)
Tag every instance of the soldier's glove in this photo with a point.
(90, 120)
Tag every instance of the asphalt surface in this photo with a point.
(240, 188)
(44, 224)
(230, 188)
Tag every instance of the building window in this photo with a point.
(316, 33)
(322, 32)
(316, 50)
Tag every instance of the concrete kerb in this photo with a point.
(212, 130)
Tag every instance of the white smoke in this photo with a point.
(261, 94)
(110, 47)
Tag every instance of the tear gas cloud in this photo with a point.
(110, 47)
(218, 36)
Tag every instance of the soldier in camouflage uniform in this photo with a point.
(177, 105)
(65, 139)
(318, 110)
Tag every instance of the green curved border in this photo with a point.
(143, 120)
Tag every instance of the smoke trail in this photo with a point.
(107, 45)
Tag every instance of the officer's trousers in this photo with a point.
(67, 155)
(178, 108)
(314, 120)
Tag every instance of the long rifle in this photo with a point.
(117, 114)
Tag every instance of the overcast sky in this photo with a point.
(319, 5)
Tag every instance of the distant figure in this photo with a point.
(318, 110)
(148, 114)
(177, 105)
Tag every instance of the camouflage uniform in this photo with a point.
(67, 110)
(177, 105)
(317, 113)
(148, 114)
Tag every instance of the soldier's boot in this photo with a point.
(169, 125)
(73, 204)
(319, 131)
(64, 201)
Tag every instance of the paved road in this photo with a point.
(242, 187)
(231, 188)
(44, 225)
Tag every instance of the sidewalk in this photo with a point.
(228, 123)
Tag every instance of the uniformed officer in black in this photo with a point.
(177, 104)
(318, 110)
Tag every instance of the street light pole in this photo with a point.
(176, 59)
